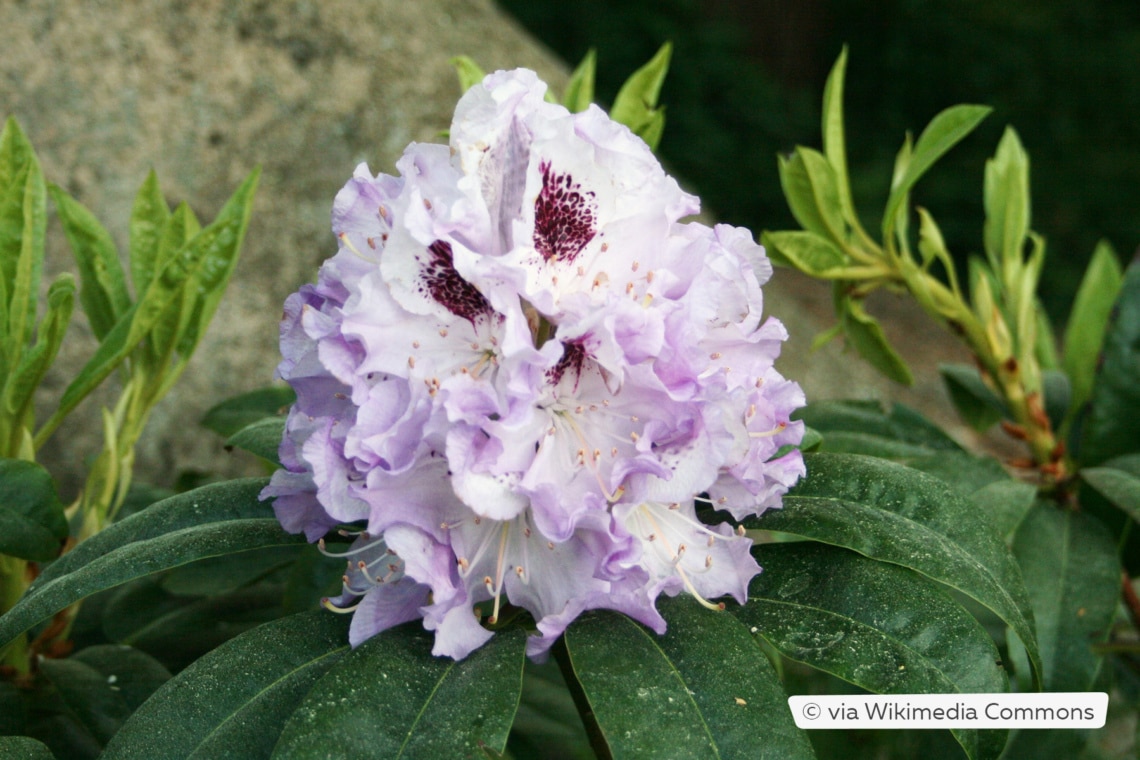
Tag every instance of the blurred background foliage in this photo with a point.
(747, 77)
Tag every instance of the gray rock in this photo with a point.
(205, 91)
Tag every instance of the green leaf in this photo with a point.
(88, 697)
(1085, 331)
(233, 414)
(32, 525)
(636, 103)
(809, 185)
(878, 626)
(977, 405)
(1072, 573)
(1118, 480)
(869, 420)
(866, 334)
(214, 503)
(262, 438)
(103, 285)
(931, 245)
(469, 72)
(234, 701)
(1004, 504)
(220, 575)
(19, 391)
(806, 251)
(704, 686)
(179, 229)
(579, 92)
(898, 515)
(23, 222)
(1110, 429)
(1058, 392)
(943, 133)
(1007, 205)
(132, 674)
(431, 706)
(207, 259)
(149, 217)
(24, 748)
(834, 145)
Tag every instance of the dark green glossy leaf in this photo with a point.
(965, 473)
(233, 414)
(148, 219)
(214, 503)
(431, 706)
(24, 748)
(580, 89)
(1004, 504)
(1118, 480)
(704, 689)
(1072, 574)
(1111, 429)
(876, 625)
(219, 575)
(899, 424)
(262, 438)
(975, 402)
(133, 674)
(88, 697)
(1084, 333)
(139, 559)
(942, 133)
(636, 103)
(547, 717)
(898, 515)
(103, 284)
(234, 701)
(13, 710)
(32, 525)
(806, 251)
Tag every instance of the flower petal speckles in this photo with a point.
(520, 375)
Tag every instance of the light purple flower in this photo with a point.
(522, 371)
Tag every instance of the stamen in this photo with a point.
(331, 607)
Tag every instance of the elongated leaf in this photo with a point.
(209, 257)
(233, 414)
(834, 141)
(636, 103)
(811, 194)
(21, 386)
(179, 229)
(25, 287)
(1118, 480)
(1004, 504)
(1007, 203)
(139, 559)
(469, 72)
(103, 285)
(806, 251)
(1072, 573)
(579, 92)
(898, 423)
(214, 503)
(1110, 429)
(876, 625)
(133, 674)
(261, 438)
(32, 525)
(148, 220)
(87, 697)
(208, 711)
(672, 695)
(431, 707)
(895, 514)
(942, 133)
(1085, 331)
(24, 748)
(976, 403)
(866, 334)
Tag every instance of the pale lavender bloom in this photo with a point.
(521, 371)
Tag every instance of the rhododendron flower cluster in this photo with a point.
(522, 372)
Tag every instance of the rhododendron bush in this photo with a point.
(538, 487)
